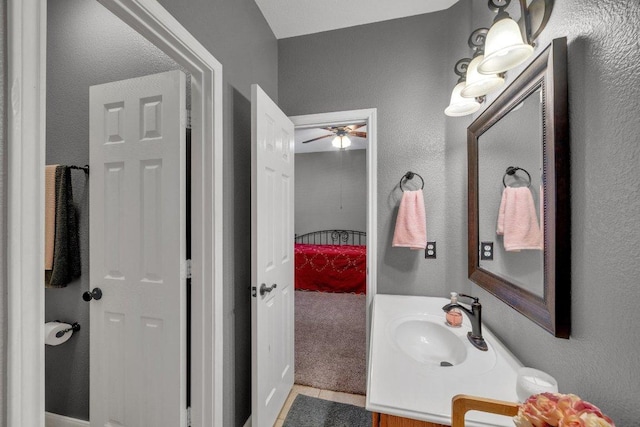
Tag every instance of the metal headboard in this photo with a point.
(333, 237)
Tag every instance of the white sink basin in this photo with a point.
(428, 340)
(409, 341)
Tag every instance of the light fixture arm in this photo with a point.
(538, 14)
(499, 7)
(525, 17)
(476, 41)
(461, 69)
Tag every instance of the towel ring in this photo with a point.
(409, 175)
(511, 170)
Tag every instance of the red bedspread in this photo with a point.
(331, 268)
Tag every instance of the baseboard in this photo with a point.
(55, 420)
(248, 423)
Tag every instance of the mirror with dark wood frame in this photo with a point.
(522, 140)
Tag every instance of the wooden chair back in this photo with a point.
(461, 403)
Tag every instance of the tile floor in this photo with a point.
(335, 396)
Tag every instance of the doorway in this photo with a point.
(272, 247)
(27, 71)
(92, 120)
(368, 117)
(349, 234)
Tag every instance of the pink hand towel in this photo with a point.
(411, 224)
(517, 220)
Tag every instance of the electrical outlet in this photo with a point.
(486, 251)
(430, 250)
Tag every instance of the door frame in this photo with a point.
(26, 111)
(369, 116)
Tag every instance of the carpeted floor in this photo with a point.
(309, 411)
(330, 346)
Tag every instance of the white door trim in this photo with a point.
(368, 116)
(27, 22)
(55, 420)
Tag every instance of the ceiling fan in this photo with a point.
(341, 134)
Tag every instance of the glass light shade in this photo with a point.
(460, 106)
(479, 84)
(504, 48)
(341, 142)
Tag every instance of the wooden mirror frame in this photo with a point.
(552, 311)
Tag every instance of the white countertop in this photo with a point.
(399, 385)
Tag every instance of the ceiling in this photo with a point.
(324, 144)
(290, 18)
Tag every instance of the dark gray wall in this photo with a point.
(236, 33)
(3, 209)
(86, 45)
(331, 191)
(404, 69)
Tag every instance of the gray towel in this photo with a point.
(66, 251)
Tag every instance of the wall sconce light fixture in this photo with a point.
(504, 46)
(460, 106)
(479, 84)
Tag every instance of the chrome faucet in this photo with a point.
(475, 316)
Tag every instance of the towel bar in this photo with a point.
(408, 176)
(84, 168)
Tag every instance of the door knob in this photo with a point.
(264, 289)
(96, 294)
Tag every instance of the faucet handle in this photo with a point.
(475, 300)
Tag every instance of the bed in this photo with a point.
(331, 261)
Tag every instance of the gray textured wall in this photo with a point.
(331, 191)
(600, 361)
(3, 209)
(402, 68)
(86, 45)
(236, 33)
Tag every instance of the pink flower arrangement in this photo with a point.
(560, 410)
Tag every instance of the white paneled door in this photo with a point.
(137, 235)
(272, 301)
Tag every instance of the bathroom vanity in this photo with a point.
(417, 364)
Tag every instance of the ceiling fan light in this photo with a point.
(479, 84)
(460, 106)
(341, 141)
(504, 49)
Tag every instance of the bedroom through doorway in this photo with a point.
(331, 204)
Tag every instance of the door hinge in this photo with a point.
(188, 416)
(186, 119)
(187, 268)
